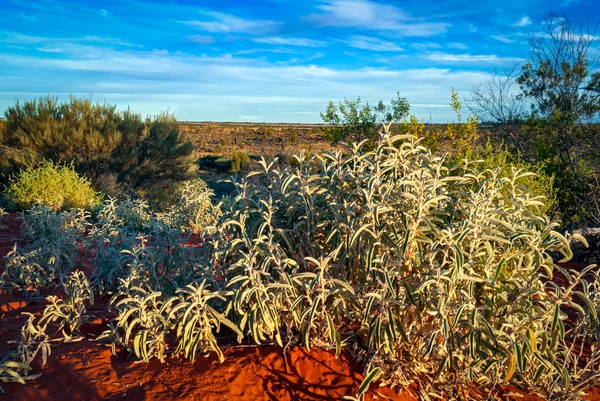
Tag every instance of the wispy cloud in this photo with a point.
(426, 45)
(227, 23)
(456, 45)
(272, 60)
(282, 40)
(468, 58)
(374, 44)
(16, 38)
(369, 15)
(503, 38)
(523, 21)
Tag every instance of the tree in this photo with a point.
(354, 121)
(561, 83)
(560, 75)
(498, 101)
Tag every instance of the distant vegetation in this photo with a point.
(118, 151)
(550, 125)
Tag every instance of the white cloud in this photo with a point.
(374, 44)
(503, 38)
(227, 23)
(103, 13)
(456, 45)
(15, 38)
(280, 40)
(468, 58)
(523, 21)
(426, 45)
(372, 16)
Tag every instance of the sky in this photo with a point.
(264, 60)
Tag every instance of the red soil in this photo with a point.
(87, 371)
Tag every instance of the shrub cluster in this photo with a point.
(428, 272)
(117, 150)
(57, 186)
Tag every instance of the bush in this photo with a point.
(99, 140)
(430, 272)
(438, 269)
(352, 121)
(500, 160)
(192, 211)
(57, 186)
(239, 160)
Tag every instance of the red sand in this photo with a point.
(88, 371)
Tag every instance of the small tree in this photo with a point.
(559, 77)
(498, 101)
(355, 121)
(561, 83)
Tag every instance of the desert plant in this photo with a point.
(3, 214)
(354, 122)
(57, 186)
(99, 140)
(142, 320)
(14, 371)
(463, 135)
(491, 158)
(192, 210)
(239, 160)
(435, 271)
(69, 313)
(196, 319)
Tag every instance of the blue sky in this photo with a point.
(263, 60)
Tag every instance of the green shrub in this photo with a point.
(500, 160)
(239, 160)
(57, 186)
(352, 121)
(99, 140)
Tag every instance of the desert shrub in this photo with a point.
(462, 135)
(439, 273)
(430, 136)
(428, 271)
(499, 158)
(3, 214)
(142, 320)
(192, 211)
(69, 313)
(14, 371)
(239, 160)
(50, 251)
(99, 140)
(57, 186)
(350, 120)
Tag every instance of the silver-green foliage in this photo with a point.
(432, 272)
(449, 266)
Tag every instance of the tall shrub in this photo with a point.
(100, 140)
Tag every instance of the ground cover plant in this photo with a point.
(431, 273)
